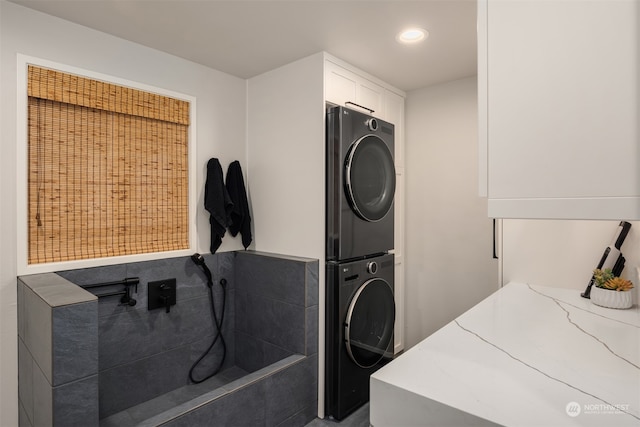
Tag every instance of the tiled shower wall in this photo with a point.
(271, 312)
(276, 315)
(142, 353)
(57, 353)
(276, 308)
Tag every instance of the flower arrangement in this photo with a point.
(605, 279)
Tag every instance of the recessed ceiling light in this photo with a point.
(412, 35)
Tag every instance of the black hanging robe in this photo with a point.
(240, 220)
(217, 202)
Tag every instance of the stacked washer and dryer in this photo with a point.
(360, 308)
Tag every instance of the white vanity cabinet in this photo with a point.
(558, 102)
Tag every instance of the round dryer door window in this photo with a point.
(370, 178)
(369, 323)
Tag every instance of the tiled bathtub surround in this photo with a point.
(273, 308)
(57, 352)
(271, 313)
(143, 353)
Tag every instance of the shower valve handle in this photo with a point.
(166, 301)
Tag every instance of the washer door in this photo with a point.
(370, 178)
(369, 324)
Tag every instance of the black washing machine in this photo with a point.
(361, 182)
(360, 314)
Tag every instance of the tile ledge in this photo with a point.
(55, 290)
(276, 255)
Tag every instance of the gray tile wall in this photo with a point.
(276, 308)
(143, 353)
(57, 353)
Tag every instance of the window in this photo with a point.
(107, 169)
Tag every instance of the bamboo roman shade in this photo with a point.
(108, 169)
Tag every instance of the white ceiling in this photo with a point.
(246, 38)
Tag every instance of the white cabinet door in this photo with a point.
(399, 281)
(562, 104)
(340, 84)
(371, 96)
(394, 109)
(394, 113)
(347, 88)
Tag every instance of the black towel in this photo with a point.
(240, 220)
(217, 202)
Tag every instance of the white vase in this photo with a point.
(611, 299)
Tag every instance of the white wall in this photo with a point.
(449, 265)
(287, 169)
(221, 132)
(286, 158)
(563, 253)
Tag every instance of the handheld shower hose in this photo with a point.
(199, 261)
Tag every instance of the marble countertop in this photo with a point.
(526, 356)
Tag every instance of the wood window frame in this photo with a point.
(22, 205)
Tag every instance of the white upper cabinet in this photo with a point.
(340, 84)
(394, 113)
(558, 101)
(351, 89)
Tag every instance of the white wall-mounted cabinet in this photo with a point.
(344, 87)
(559, 93)
(350, 87)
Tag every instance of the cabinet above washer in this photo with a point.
(349, 87)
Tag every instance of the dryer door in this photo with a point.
(370, 178)
(369, 323)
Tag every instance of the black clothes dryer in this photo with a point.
(361, 182)
(360, 315)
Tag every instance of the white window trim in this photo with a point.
(22, 202)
